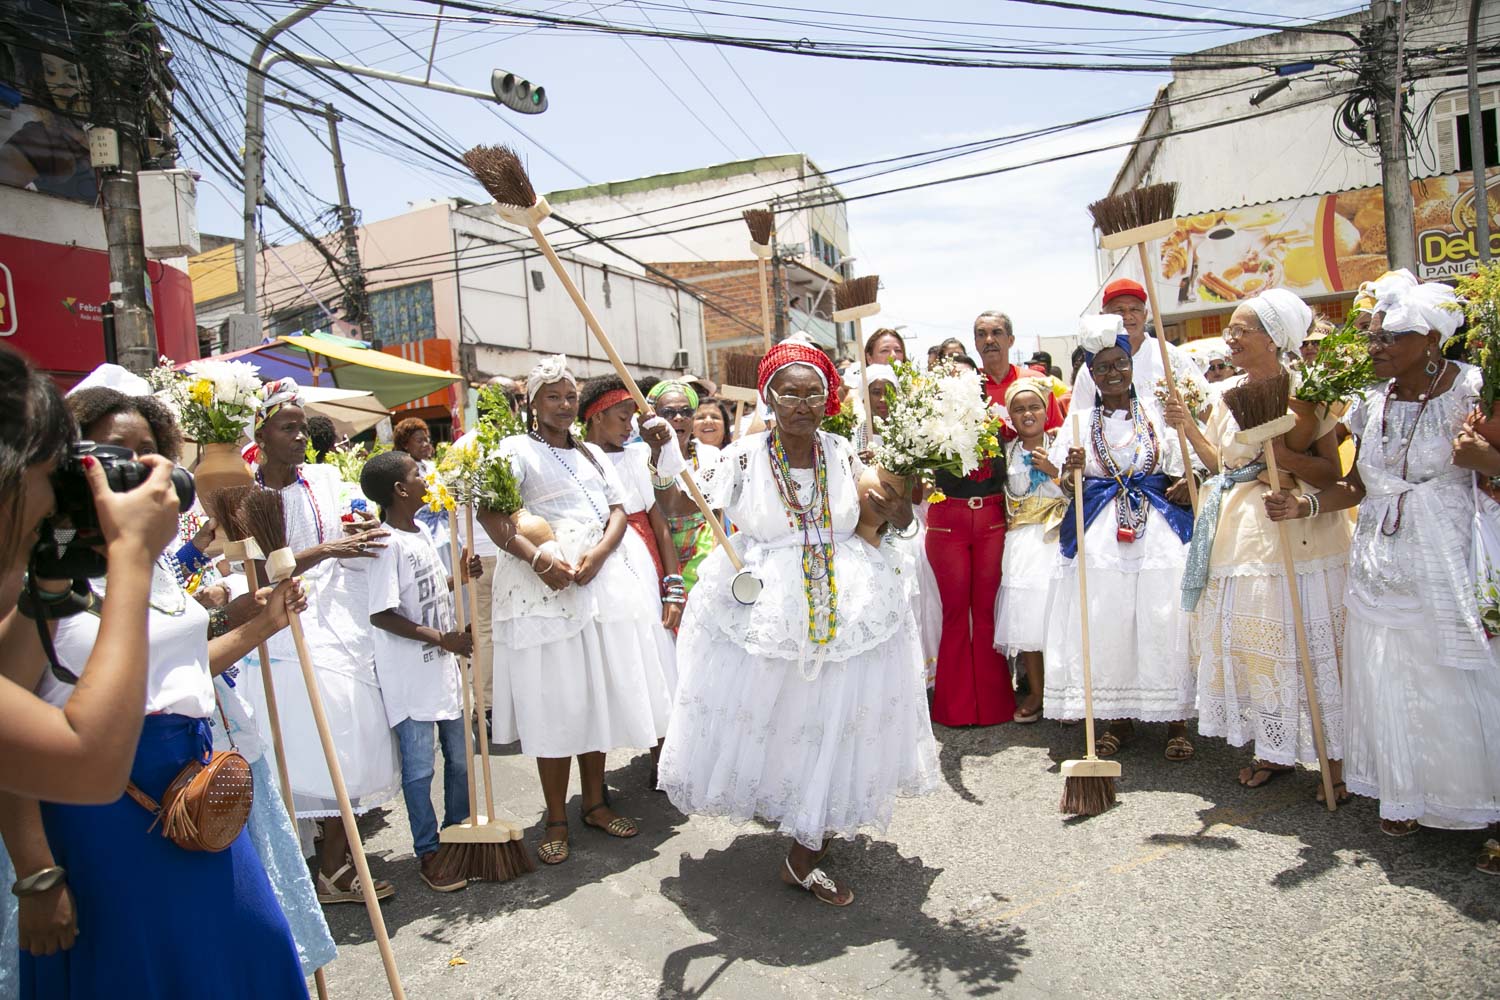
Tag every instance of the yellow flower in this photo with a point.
(202, 392)
(437, 498)
(936, 496)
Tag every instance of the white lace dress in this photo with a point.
(638, 496)
(1032, 512)
(1137, 628)
(577, 670)
(337, 626)
(815, 739)
(1421, 681)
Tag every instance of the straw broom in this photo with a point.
(224, 504)
(762, 223)
(1135, 218)
(499, 169)
(854, 299)
(1260, 409)
(483, 847)
(1088, 784)
(265, 517)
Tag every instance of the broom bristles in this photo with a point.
(224, 507)
(264, 517)
(493, 862)
(1260, 402)
(852, 292)
(1087, 796)
(500, 170)
(1134, 209)
(760, 221)
(740, 369)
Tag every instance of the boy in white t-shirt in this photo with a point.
(411, 607)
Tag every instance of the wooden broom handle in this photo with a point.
(1083, 601)
(765, 306)
(1166, 366)
(466, 666)
(864, 381)
(346, 810)
(635, 391)
(484, 728)
(1304, 655)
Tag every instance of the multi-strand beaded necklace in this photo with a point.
(816, 522)
(1130, 512)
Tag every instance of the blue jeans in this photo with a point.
(418, 756)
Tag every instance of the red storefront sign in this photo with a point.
(51, 297)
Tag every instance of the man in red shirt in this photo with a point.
(965, 545)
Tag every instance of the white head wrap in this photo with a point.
(547, 371)
(114, 377)
(1098, 333)
(1430, 306)
(1370, 291)
(273, 396)
(880, 373)
(1285, 317)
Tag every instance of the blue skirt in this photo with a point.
(154, 920)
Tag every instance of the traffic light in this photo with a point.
(518, 94)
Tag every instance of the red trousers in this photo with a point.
(965, 545)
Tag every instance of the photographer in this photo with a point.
(110, 869)
(81, 752)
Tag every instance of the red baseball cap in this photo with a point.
(1123, 286)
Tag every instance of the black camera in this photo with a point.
(66, 549)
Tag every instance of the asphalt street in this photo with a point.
(1191, 887)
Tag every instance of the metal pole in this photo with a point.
(1400, 227)
(1476, 142)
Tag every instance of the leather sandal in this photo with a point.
(823, 888)
(329, 892)
(554, 852)
(1489, 858)
(1399, 827)
(620, 826)
(1179, 749)
(1258, 767)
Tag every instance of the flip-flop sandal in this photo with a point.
(816, 880)
(1179, 749)
(620, 826)
(1489, 858)
(329, 892)
(1399, 827)
(1340, 794)
(554, 852)
(1271, 771)
(1026, 719)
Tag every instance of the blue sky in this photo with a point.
(1019, 241)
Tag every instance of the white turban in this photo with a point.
(1430, 306)
(880, 373)
(1097, 333)
(273, 396)
(1371, 291)
(1285, 317)
(547, 371)
(114, 377)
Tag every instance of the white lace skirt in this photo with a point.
(1423, 739)
(909, 557)
(1250, 686)
(750, 738)
(1025, 580)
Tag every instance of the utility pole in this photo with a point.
(1384, 55)
(1476, 142)
(124, 78)
(356, 297)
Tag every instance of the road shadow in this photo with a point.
(733, 895)
(957, 746)
(595, 857)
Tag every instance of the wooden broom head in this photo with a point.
(264, 517)
(851, 293)
(224, 506)
(742, 369)
(760, 221)
(500, 170)
(1257, 403)
(1134, 209)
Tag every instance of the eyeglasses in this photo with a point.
(674, 412)
(814, 402)
(1220, 366)
(1386, 338)
(1104, 367)
(1239, 331)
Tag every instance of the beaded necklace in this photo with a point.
(1130, 514)
(815, 519)
(312, 498)
(603, 516)
(1385, 411)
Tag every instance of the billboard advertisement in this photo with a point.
(43, 143)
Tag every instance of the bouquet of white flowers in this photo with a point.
(474, 474)
(938, 419)
(215, 400)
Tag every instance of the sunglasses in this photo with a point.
(1386, 338)
(1220, 366)
(674, 412)
(814, 402)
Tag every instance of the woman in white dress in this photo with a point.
(577, 624)
(1136, 545)
(338, 640)
(1034, 508)
(1421, 684)
(806, 708)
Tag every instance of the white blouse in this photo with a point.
(560, 483)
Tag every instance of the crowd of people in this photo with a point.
(624, 626)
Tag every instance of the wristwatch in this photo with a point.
(39, 882)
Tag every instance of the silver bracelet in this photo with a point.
(40, 881)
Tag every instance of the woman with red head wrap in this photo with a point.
(806, 708)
